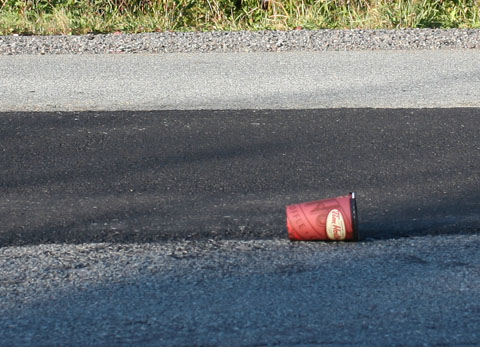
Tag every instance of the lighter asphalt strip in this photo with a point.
(291, 80)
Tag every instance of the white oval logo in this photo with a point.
(335, 226)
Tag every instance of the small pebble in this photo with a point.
(243, 41)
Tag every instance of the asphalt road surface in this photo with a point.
(170, 175)
(168, 227)
(289, 80)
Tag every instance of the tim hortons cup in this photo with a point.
(333, 219)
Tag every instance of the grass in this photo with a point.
(48, 17)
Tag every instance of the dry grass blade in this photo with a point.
(78, 17)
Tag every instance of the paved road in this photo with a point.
(427, 78)
(168, 227)
(209, 188)
(154, 176)
(414, 291)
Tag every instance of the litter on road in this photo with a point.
(334, 219)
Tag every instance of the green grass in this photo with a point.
(47, 17)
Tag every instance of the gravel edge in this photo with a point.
(244, 41)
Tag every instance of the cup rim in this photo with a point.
(353, 206)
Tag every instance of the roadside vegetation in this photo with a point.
(47, 17)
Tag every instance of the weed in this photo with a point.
(45, 17)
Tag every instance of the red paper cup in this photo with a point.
(328, 220)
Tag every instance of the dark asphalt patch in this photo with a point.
(171, 175)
